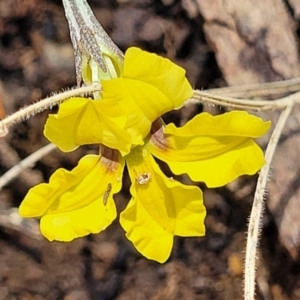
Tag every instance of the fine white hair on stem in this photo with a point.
(259, 89)
(258, 206)
(35, 108)
(24, 164)
(258, 105)
(199, 96)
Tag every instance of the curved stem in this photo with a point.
(42, 105)
(201, 96)
(24, 164)
(259, 89)
(258, 206)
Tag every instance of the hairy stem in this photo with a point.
(248, 104)
(33, 109)
(258, 206)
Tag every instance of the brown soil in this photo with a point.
(36, 59)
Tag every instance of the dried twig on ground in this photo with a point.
(25, 164)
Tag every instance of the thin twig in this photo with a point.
(24, 164)
(33, 109)
(259, 105)
(12, 221)
(258, 206)
(199, 96)
(9, 157)
(259, 89)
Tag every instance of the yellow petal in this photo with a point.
(159, 72)
(215, 150)
(146, 235)
(71, 196)
(234, 123)
(244, 159)
(159, 209)
(82, 121)
(67, 226)
(138, 124)
(149, 87)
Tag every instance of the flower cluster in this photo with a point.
(126, 123)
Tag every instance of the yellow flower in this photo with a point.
(215, 150)
(80, 202)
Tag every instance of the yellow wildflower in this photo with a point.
(126, 123)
